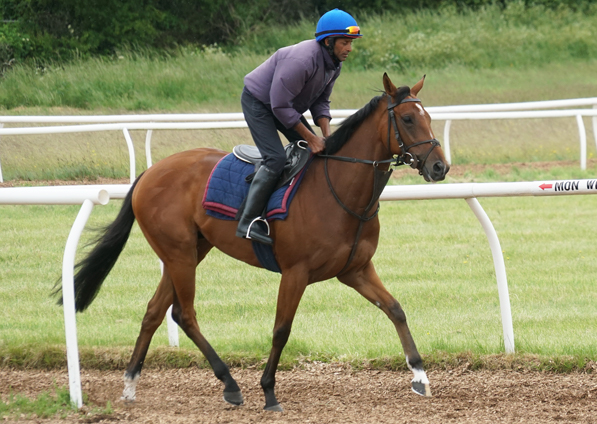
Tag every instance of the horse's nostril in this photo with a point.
(439, 168)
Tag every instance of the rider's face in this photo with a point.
(342, 47)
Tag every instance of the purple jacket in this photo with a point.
(295, 79)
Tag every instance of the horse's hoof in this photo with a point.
(234, 398)
(275, 408)
(421, 389)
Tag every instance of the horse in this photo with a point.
(332, 230)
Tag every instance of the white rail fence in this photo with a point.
(149, 122)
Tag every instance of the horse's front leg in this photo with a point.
(367, 283)
(291, 290)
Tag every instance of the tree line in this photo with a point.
(57, 30)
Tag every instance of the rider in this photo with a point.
(276, 94)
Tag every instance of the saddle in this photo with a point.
(297, 156)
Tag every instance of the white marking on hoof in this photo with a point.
(130, 388)
(420, 377)
(420, 382)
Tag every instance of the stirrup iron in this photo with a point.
(258, 219)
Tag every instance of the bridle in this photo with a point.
(380, 177)
(405, 157)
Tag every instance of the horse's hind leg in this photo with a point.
(175, 285)
(183, 312)
(156, 310)
(367, 283)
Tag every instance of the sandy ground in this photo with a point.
(324, 393)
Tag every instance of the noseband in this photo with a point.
(405, 157)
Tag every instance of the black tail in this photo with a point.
(93, 270)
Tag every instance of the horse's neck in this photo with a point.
(354, 182)
(366, 143)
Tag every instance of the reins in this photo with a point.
(380, 178)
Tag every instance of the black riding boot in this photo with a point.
(251, 225)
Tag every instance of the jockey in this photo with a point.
(293, 80)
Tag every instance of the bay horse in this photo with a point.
(332, 230)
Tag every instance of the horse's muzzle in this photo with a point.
(435, 171)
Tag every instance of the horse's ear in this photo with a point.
(387, 84)
(417, 87)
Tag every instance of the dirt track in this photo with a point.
(329, 394)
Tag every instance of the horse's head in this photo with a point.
(413, 140)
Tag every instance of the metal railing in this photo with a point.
(151, 122)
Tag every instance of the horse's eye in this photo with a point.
(407, 119)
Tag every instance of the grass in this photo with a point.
(45, 405)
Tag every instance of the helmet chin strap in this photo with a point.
(330, 48)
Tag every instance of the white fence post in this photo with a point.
(500, 272)
(446, 140)
(148, 148)
(583, 142)
(129, 144)
(64, 195)
(68, 300)
(1, 178)
(170, 323)
(172, 329)
(470, 192)
(594, 119)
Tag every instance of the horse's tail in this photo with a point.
(93, 270)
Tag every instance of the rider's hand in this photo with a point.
(316, 144)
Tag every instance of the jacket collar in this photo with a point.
(328, 61)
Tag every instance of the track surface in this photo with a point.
(322, 393)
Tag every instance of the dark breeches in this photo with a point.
(264, 128)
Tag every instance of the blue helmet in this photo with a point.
(337, 23)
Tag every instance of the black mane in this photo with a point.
(339, 138)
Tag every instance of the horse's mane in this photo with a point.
(339, 138)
